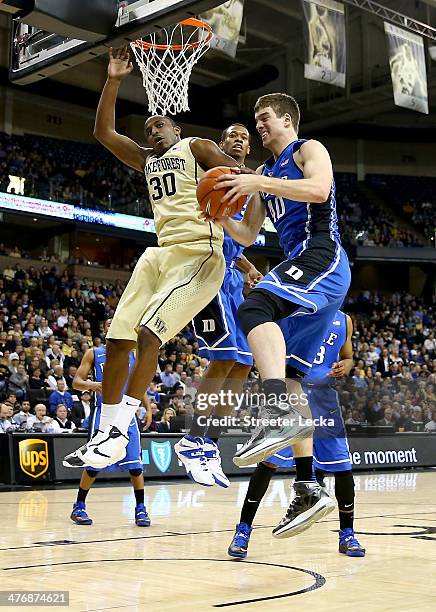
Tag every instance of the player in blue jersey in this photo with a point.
(221, 339)
(331, 453)
(94, 360)
(295, 188)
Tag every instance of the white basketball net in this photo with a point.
(166, 60)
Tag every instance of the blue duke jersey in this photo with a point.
(329, 351)
(330, 446)
(314, 279)
(132, 459)
(297, 222)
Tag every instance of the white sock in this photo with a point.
(128, 407)
(108, 415)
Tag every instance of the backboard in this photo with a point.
(38, 52)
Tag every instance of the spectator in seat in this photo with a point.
(23, 414)
(61, 422)
(164, 425)
(40, 422)
(72, 370)
(44, 330)
(167, 377)
(11, 400)
(7, 424)
(153, 393)
(431, 425)
(81, 409)
(383, 364)
(387, 419)
(14, 360)
(60, 396)
(18, 382)
(58, 374)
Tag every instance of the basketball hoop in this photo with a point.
(166, 59)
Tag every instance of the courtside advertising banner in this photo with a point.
(408, 71)
(324, 41)
(225, 21)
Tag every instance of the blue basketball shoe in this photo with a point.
(141, 516)
(239, 546)
(349, 545)
(79, 514)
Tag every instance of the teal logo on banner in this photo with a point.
(161, 453)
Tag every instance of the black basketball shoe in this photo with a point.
(280, 426)
(311, 502)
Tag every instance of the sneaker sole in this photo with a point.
(80, 522)
(355, 553)
(270, 447)
(321, 510)
(236, 555)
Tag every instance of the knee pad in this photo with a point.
(91, 473)
(136, 472)
(262, 307)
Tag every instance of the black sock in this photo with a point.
(344, 492)
(139, 496)
(213, 432)
(81, 494)
(319, 475)
(198, 427)
(273, 388)
(304, 468)
(257, 488)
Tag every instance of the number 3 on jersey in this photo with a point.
(320, 355)
(162, 187)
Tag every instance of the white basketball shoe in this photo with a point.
(213, 457)
(191, 453)
(105, 448)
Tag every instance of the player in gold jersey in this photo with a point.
(170, 283)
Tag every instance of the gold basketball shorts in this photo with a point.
(168, 287)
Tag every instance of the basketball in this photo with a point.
(210, 198)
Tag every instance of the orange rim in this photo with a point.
(196, 23)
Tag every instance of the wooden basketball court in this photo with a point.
(181, 562)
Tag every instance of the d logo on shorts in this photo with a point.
(161, 453)
(33, 457)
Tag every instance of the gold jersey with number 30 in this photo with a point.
(172, 182)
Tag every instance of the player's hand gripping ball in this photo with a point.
(210, 198)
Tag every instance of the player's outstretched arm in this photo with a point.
(127, 150)
(314, 160)
(245, 232)
(346, 363)
(209, 155)
(81, 381)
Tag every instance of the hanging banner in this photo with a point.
(225, 21)
(408, 71)
(325, 42)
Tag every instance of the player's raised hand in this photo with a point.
(120, 65)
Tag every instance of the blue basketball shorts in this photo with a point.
(216, 327)
(316, 280)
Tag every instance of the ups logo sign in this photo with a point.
(33, 457)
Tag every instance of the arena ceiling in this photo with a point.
(270, 58)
